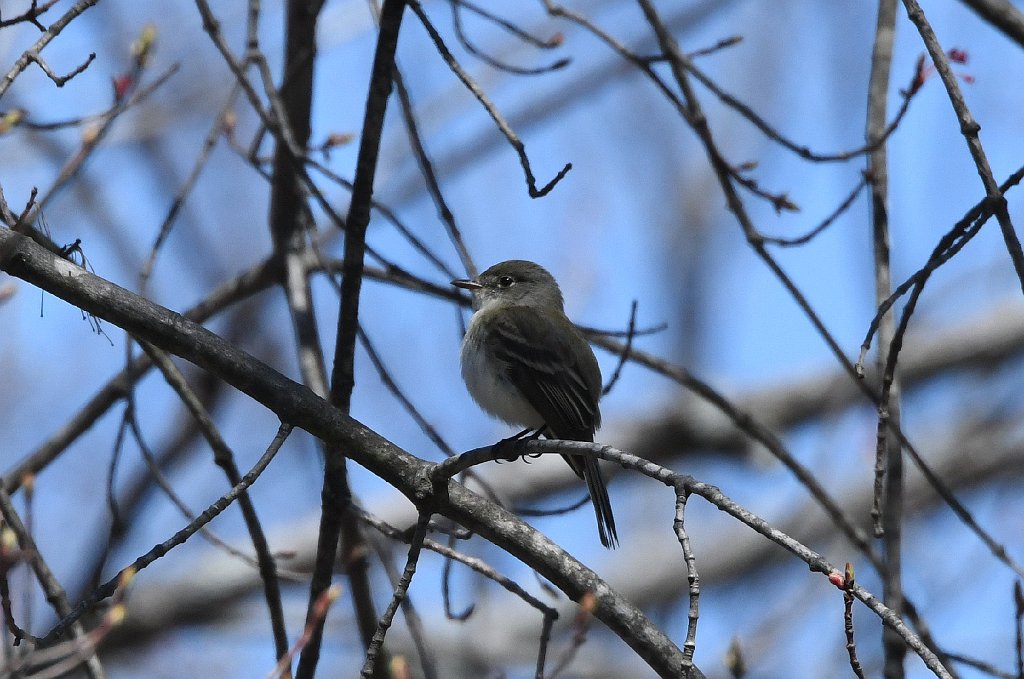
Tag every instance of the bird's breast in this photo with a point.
(486, 378)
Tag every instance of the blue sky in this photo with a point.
(639, 217)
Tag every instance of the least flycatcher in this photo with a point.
(526, 363)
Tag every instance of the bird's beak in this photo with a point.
(467, 284)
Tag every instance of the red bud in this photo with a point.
(122, 84)
(958, 56)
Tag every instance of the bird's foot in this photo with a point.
(504, 444)
(528, 434)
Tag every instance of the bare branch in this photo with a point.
(499, 120)
(1002, 14)
(52, 32)
(969, 128)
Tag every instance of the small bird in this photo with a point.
(524, 362)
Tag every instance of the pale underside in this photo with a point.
(486, 378)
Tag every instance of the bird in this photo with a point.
(524, 362)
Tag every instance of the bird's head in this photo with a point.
(514, 282)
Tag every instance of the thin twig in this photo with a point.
(679, 524)
(499, 120)
(205, 152)
(108, 588)
(401, 591)
(61, 80)
(446, 589)
(10, 556)
(225, 459)
(1018, 619)
(802, 151)
(92, 141)
(390, 216)
(951, 243)
(430, 176)
(511, 28)
(969, 128)
(319, 613)
(626, 349)
(130, 424)
(987, 668)
(581, 625)
(59, 660)
(825, 223)
(479, 566)
(55, 594)
(644, 64)
(49, 34)
(30, 15)
(413, 622)
(396, 391)
(460, 33)
(473, 563)
(851, 644)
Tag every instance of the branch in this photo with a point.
(1002, 14)
(108, 588)
(969, 128)
(499, 120)
(61, 80)
(224, 458)
(683, 483)
(298, 405)
(336, 518)
(47, 580)
(887, 509)
(33, 52)
(30, 15)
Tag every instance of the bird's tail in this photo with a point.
(602, 503)
(586, 466)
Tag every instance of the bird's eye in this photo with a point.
(505, 281)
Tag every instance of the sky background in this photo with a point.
(640, 217)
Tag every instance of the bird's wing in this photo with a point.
(554, 369)
(551, 364)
